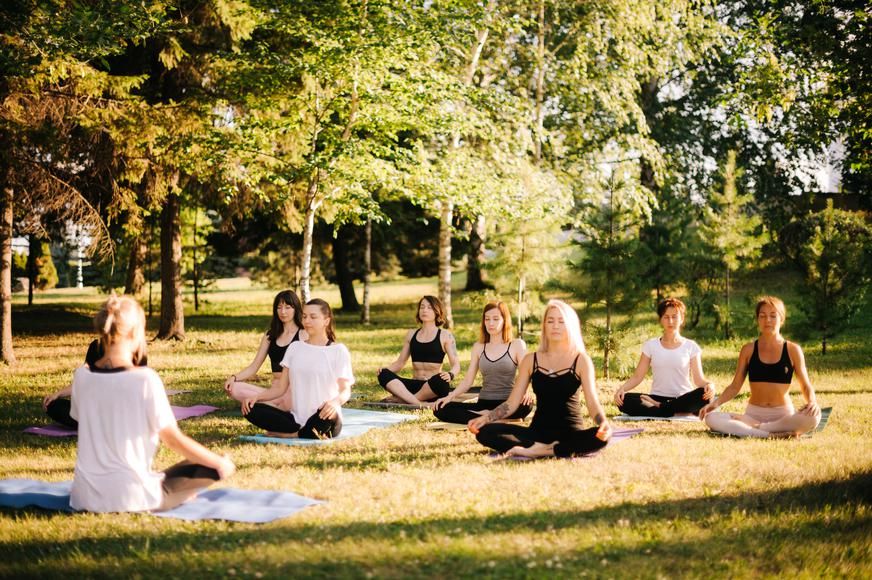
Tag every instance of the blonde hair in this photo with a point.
(483, 335)
(775, 303)
(570, 319)
(121, 317)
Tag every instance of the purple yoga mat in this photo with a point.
(63, 431)
(618, 435)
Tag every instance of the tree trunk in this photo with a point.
(727, 329)
(608, 340)
(196, 265)
(172, 315)
(6, 354)
(308, 233)
(445, 259)
(33, 251)
(540, 84)
(367, 268)
(344, 277)
(474, 275)
(135, 275)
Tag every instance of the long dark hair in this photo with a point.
(328, 312)
(290, 298)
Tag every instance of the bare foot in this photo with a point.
(534, 451)
(282, 435)
(649, 402)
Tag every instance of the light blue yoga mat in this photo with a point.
(354, 422)
(236, 505)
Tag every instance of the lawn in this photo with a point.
(413, 502)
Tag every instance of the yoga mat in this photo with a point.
(180, 413)
(236, 505)
(195, 411)
(825, 417)
(679, 419)
(618, 435)
(354, 422)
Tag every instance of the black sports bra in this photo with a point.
(430, 352)
(780, 372)
(276, 352)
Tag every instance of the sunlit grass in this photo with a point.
(408, 501)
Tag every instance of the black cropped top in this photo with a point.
(276, 352)
(430, 352)
(761, 372)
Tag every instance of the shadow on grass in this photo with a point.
(825, 517)
(50, 320)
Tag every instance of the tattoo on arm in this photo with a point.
(499, 412)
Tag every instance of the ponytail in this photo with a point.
(327, 312)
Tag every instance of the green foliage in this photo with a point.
(39, 263)
(613, 259)
(734, 236)
(833, 251)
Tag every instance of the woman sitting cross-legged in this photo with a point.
(496, 355)
(316, 379)
(285, 328)
(673, 360)
(123, 413)
(770, 412)
(560, 370)
(427, 346)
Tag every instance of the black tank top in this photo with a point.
(558, 399)
(761, 372)
(430, 352)
(277, 353)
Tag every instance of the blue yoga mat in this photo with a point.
(235, 505)
(354, 422)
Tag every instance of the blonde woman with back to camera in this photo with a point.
(123, 413)
(770, 412)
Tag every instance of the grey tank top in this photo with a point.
(497, 376)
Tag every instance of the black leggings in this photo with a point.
(502, 437)
(59, 411)
(437, 384)
(690, 402)
(183, 480)
(270, 418)
(457, 412)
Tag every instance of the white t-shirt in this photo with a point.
(120, 414)
(314, 372)
(671, 367)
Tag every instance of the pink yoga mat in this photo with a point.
(63, 431)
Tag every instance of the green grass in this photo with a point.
(411, 502)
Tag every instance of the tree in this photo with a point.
(833, 251)
(734, 236)
(613, 261)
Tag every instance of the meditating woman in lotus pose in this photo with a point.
(673, 360)
(284, 329)
(496, 355)
(123, 413)
(560, 371)
(769, 363)
(427, 346)
(316, 380)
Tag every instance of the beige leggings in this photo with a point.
(761, 421)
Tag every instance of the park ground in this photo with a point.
(413, 502)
